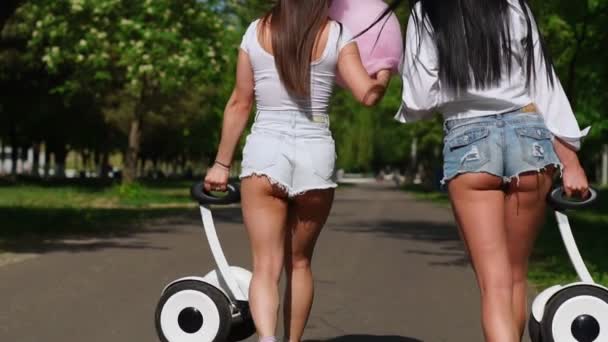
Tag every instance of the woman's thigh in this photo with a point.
(524, 214)
(478, 201)
(265, 215)
(308, 214)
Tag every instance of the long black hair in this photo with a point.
(473, 39)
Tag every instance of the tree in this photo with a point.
(142, 50)
(576, 34)
(7, 9)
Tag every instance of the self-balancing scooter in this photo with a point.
(213, 308)
(576, 312)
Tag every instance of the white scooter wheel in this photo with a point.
(193, 311)
(578, 313)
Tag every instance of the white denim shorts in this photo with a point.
(294, 150)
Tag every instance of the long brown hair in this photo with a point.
(295, 25)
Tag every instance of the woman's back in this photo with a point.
(427, 92)
(271, 94)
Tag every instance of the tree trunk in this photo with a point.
(24, 158)
(142, 167)
(131, 157)
(104, 165)
(36, 161)
(14, 151)
(412, 168)
(86, 158)
(605, 164)
(47, 161)
(1, 157)
(61, 153)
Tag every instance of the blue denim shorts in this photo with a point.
(503, 145)
(294, 150)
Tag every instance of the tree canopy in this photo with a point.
(148, 80)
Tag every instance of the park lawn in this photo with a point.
(37, 212)
(550, 263)
(91, 196)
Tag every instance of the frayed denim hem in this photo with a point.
(291, 193)
(506, 180)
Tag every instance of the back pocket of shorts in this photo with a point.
(536, 144)
(322, 157)
(260, 151)
(466, 150)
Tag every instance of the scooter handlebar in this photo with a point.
(559, 201)
(203, 197)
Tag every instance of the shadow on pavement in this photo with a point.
(445, 235)
(368, 338)
(44, 230)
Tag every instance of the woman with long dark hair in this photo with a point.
(508, 129)
(288, 61)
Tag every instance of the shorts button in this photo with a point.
(500, 124)
(539, 132)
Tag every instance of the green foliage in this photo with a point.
(137, 44)
(98, 66)
(95, 66)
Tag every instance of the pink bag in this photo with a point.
(377, 52)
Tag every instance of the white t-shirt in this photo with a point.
(423, 92)
(269, 90)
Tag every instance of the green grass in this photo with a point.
(550, 263)
(46, 211)
(85, 196)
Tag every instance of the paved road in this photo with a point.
(388, 269)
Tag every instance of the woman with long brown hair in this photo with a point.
(288, 60)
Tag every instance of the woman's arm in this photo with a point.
(553, 105)
(236, 116)
(366, 90)
(574, 178)
(420, 71)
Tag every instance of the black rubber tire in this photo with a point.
(243, 327)
(219, 299)
(560, 298)
(534, 329)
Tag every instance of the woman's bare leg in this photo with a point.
(265, 215)
(478, 202)
(524, 214)
(307, 216)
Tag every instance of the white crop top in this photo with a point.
(423, 92)
(269, 90)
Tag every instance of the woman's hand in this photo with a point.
(383, 77)
(574, 177)
(378, 88)
(575, 181)
(217, 178)
(366, 89)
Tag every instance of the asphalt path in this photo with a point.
(388, 268)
